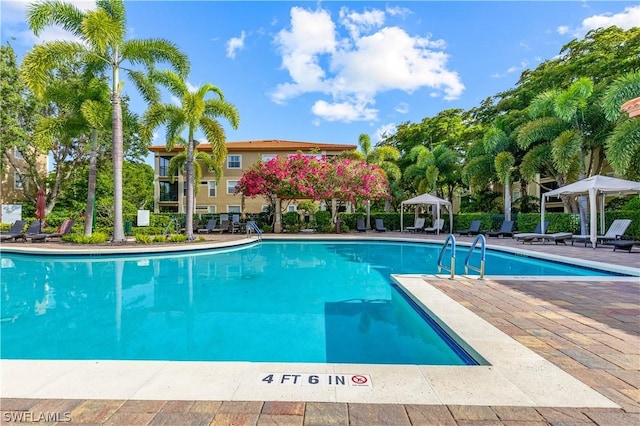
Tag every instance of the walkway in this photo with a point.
(590, 329)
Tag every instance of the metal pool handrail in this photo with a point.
(253, 227)
(483, 243)
(450, 239)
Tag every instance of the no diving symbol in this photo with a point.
(359, 380)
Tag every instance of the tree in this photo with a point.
(194, 113)
(623, 145)
(102, 48)
(177, 166)
(19, 112)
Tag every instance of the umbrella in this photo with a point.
(41, 204)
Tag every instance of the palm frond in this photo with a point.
(566, 149)
(54, 12)
(101, 30)
(623, 89)
(504, 163)
(218, 108)
(39, 63)
(623, 147)
(540, 130)
(150, 51)
(536, 160)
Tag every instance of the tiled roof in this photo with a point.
(268, 146)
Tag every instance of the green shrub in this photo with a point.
(144, 238)
(178, 238)
(159, 238)
(94, 238)
(290, 218)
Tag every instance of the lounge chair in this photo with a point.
(211, 224)
(474, 228)
(616, 230)
(224, 227)
(535, 235)
(63, 229)
(417, 226)
(622, 244)
(360, 226)
(34, 228)
(506, 230)
(379, 226)
(557, 237)
(437, 227)
(15, 230)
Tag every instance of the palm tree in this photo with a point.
(195, 113)
(560, 131)
(102, 48)
(496, 143)
(623, 145)
(177, 166)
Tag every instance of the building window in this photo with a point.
(267, 157)
(168, 209)
(202, 209)
(231, 186)
(265, 208)
(212, 209)
(234, 209)
(163, 163)
(234, 161)
(17, 154)
(17, 181)
(292, 208)
(516, 195)
(168, 191)
(212, 188)
(316, 156)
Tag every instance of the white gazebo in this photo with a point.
(594, 186)
(427, 199)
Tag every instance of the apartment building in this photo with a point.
(217, 195)
(13, 186)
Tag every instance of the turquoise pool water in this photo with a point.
(276, 301)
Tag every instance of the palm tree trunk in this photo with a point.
(118, 225)
(190, 190)
(507, 199)
(91, 189)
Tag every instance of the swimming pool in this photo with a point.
(276, 301)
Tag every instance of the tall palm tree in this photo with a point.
(101, 48)
(383, 156)
(195, 113)
(623, 145)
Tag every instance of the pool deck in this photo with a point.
(587, 328)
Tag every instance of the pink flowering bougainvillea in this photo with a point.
(301, 176)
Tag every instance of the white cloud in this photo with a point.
(384, 131)
(234, 44)
(402, 108)
(627, 19)
(13, 19)
(343, 111)
(353, 69)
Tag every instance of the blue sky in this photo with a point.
(329, 71)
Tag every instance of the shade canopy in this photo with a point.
(594, 186)
(428, 199)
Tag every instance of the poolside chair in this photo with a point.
(34, 228)
(623, 244)
(14, 231)
(417, 226)
(211, 224)
(437, 227)
(63, 229)
(541, 229)
(224, 227)
(557, 237)
(360, 226)
(474, 228)
(616, 230)
(379, 226)
(505, 230)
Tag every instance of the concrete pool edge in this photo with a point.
(516, 375)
